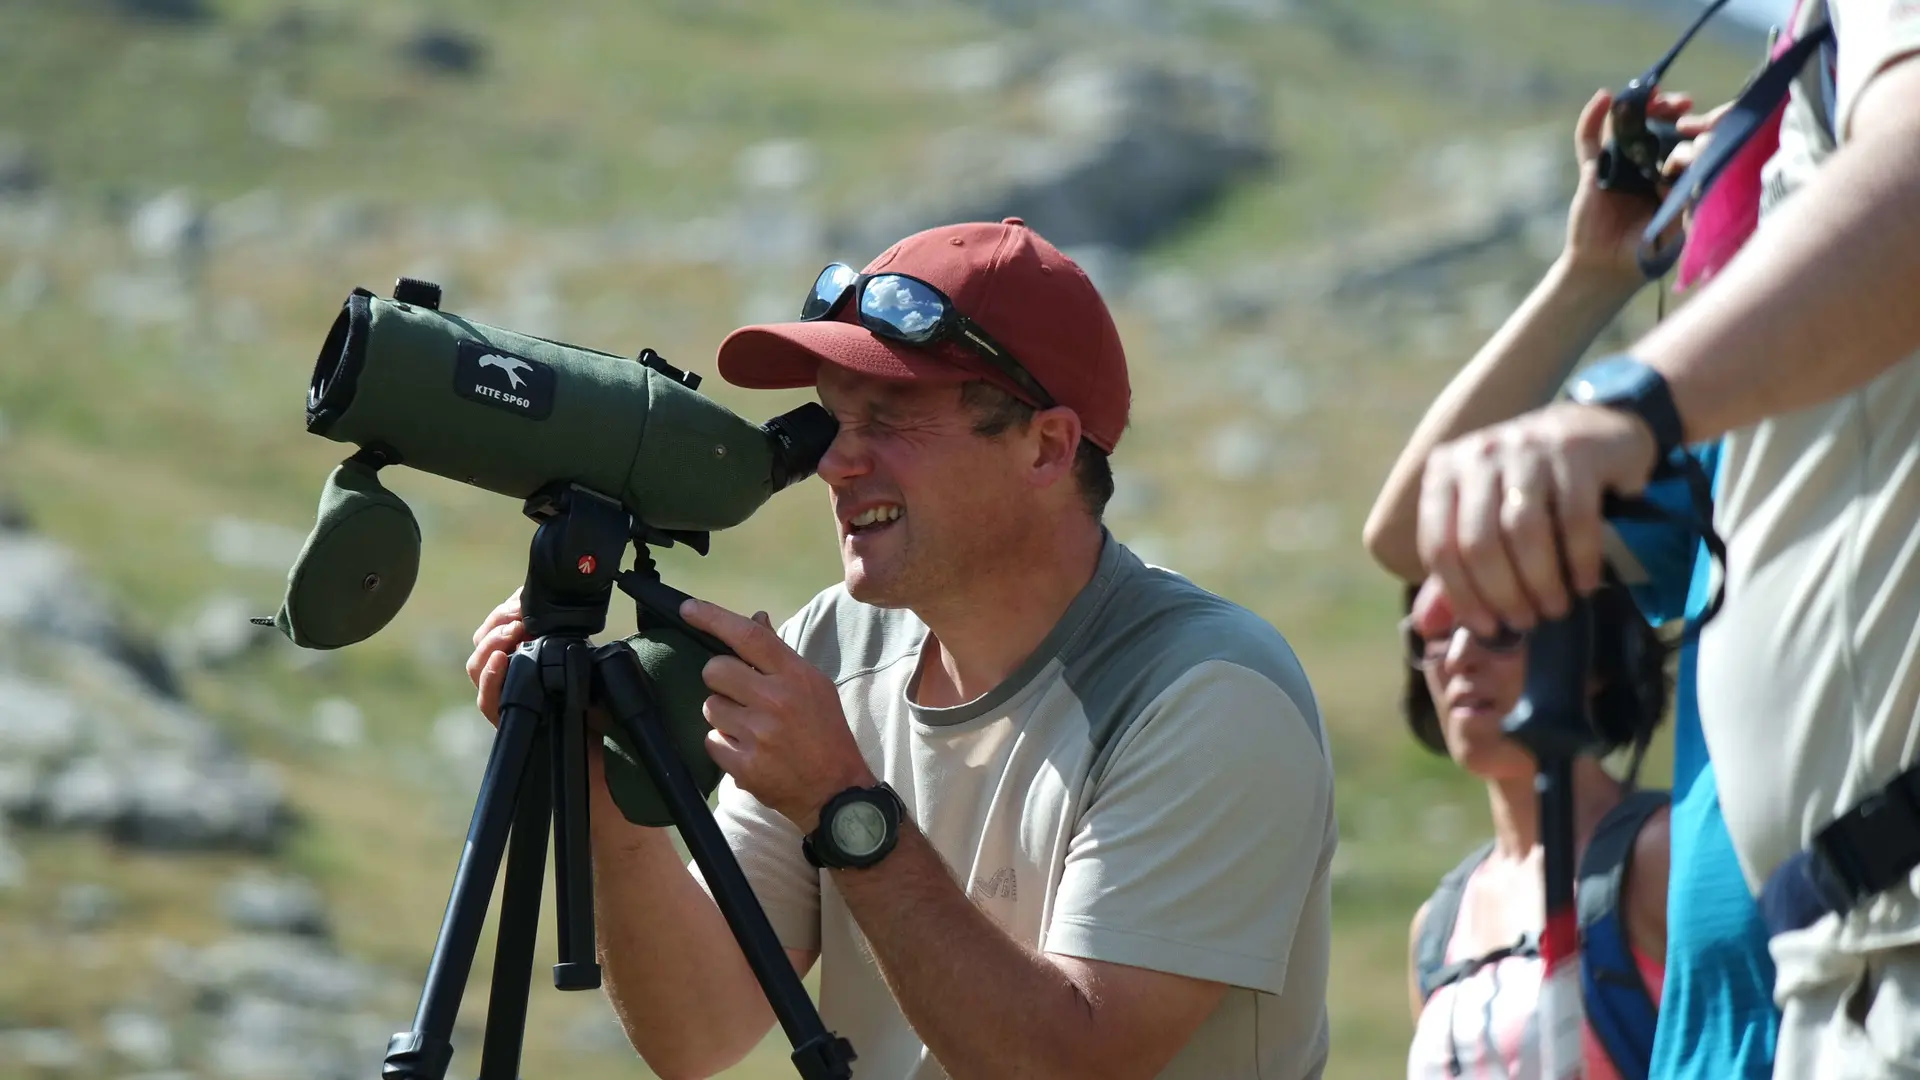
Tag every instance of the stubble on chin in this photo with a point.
(864, 585)
(894, 583)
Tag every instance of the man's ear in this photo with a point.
(1056, 442)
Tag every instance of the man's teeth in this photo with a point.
(877, 514)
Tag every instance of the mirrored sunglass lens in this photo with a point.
(909, 308)
(826, 289)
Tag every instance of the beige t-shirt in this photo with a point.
(1151, 788)
(1809, 678)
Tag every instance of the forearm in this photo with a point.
(671, 968)
(1520, 367)
(1819, 303)
(984, 1005)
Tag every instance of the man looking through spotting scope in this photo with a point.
(1037, 808)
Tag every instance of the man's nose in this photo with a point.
(845, 459)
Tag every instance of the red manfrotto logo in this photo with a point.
(586, 565)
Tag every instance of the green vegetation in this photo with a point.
(129, 440)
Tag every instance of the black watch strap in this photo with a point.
(1631, 386)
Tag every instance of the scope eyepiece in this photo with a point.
(799, 440)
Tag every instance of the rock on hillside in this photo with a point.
(92, 732)
(93, 738)
(1125, 151)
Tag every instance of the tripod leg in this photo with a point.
(519, 919)
(424, 1052)
(572, 846)
(817, 1053)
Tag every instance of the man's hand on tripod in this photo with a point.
(493, 645)
(778, 726)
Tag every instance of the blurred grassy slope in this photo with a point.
(128, 441)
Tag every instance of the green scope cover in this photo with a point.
(672, 662)
(358, 564)
(512, 413)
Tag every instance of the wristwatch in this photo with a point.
(1628, 385)
(858, 827)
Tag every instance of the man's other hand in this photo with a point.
(493, 646)
(778, 727)
(1510, 514)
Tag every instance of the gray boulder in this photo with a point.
(1127, 151)
(21, 170)
(296, 971)
(275, 905)
(88, 742)
(89, 906)
(44, 591)
(261, 1038)
(138, 1037)
(44, 1051)
(444, 50)
(217, 633)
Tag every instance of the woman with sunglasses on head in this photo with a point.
(1476, 969)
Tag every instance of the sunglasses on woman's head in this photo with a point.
(1422, 650)
(911, 311)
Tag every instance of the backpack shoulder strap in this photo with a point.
(1747, 115)
(1443, 910)
(1620, 1008)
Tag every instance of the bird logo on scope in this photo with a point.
(512, 365)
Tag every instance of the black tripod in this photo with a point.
(538, 768)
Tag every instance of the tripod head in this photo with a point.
(573, 566)
(572, 562)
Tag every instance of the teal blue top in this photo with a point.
(1717, 1017)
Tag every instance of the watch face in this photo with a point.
(1610, 379)
(859, 828)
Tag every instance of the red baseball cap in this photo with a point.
(1039, 305)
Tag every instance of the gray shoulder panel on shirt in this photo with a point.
(1154, 628)
(1148, 628)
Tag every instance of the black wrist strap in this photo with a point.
(1663, 418)
(1651, 399)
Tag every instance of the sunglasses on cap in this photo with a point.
(1422, 650)
(911, 311)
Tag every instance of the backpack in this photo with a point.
(1620, 1009)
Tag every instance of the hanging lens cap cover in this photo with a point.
(358, 565)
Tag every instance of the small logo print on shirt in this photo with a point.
(998, 887)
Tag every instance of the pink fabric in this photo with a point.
(1730, 211)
